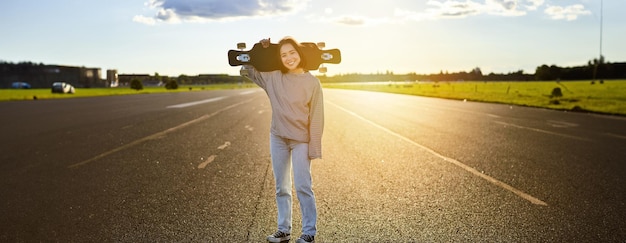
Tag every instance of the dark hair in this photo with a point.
(298, 47)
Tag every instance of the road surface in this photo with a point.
(195, 167)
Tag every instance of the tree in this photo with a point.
(477, 71)
(183, 79)
(136, 84)
(476, 74)
(545, 72)
(597, 63)
(556, 92)
(171, 84)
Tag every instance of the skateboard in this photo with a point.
(268, 59)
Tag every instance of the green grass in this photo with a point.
(608, 98)
(30, 94)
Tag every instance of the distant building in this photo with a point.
(42, 76)
(112, 78)
(125, 79)
(202, 79)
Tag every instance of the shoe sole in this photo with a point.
(281, 240)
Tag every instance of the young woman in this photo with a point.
(295, 135)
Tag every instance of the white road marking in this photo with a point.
(183, 105)
(561, 124)
(541, 131)
(205, 163)
(158, 134)
(615, 135)
(475, 172)
(248, 92)
(223, 146)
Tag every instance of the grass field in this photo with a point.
(31, 94)
(608, 97)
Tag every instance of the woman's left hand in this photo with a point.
(265, 42)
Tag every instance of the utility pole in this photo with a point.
(601, 20)
(595, 70)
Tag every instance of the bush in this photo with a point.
(556, 92)
(136, 84)
(172, 84)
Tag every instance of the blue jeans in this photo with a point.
(285, 154)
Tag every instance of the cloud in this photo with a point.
(463, 9)
(175, 11)
(504, 8)
(353, 20)
(350, 20)
(568, 13)
(533, 4)
(446, 9)
(144, 20)
(452, 9)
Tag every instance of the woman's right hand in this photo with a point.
(265, 43)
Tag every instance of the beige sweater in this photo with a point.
(297, 106)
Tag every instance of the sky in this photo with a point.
(191, 37)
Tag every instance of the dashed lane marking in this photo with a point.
(157, 135)
(561, 124)
(615, 135)
(223, 146)
(248, 92)
(183, 105)
(208, 161)
(541, 131)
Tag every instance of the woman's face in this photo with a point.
(289, 56)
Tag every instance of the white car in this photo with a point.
(62, 87)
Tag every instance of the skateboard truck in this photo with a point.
(325, 56)
(243, 72)
(243, 58)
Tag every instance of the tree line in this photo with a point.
(594, 69)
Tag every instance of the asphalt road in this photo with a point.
(195, 167)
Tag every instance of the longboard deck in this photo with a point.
(267, 59)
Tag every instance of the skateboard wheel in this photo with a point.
(321, 45)
(323, 70)
(243, 72)
(327, 56)
(243, 58)
(241, 45)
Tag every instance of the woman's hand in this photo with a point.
(265, 42)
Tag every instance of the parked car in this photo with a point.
(63, 88)
(20, 85)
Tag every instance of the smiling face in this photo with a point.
(290, 58)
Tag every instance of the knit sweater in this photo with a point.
(297, 106)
